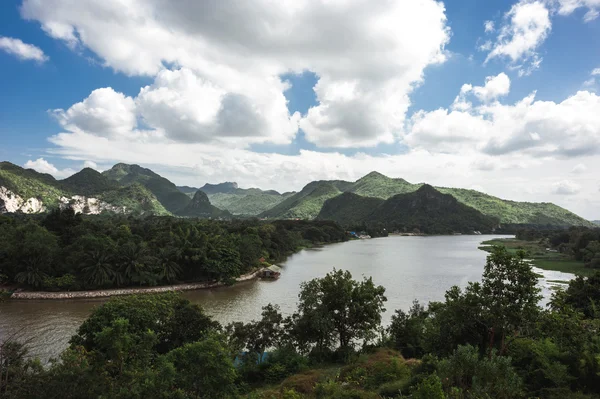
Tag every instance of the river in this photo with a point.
(421, 268)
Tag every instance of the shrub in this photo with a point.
(429, 388)
(303, 383)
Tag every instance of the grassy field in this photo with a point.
(541, 258)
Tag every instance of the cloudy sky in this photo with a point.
(498, 96)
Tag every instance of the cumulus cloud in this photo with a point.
(495, 86)
(368, 57)
(488, 26)
(565, 187)
(103, 113)
(570, 128)
(596, 72)
(43, 166)
(526, 26)
(22, 51)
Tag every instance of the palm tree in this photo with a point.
(169, 269)
(32, 275)
(100, 270)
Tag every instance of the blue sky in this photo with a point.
(386, 102)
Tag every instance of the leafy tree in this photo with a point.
(337, 308)
(407, 330)
(204, 369)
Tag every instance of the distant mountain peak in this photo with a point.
(199, 198)
(225, 187)
(374, 174)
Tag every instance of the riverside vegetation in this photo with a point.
(64, 251)
(489, 340)
(575, 250)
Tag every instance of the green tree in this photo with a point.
(337, 308)
(509, 292)
(204, 369)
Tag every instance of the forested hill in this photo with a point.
(426, 210)
(307, 203)
(165, 191)
(27, 191)
(134, 189)
(239, 201)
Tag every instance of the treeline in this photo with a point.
(490, 340)
(65, 251)
(581, 243)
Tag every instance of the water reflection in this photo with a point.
(410, 268)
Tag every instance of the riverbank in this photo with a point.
(540, 256)
(41, 295)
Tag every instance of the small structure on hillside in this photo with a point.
(271, 272)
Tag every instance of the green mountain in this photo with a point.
(187, 190)
(27, 183)
(349, 209)
(226, 188)
(135, 199)
(165, 191)
(239, 201)
(425, 209)
(88, 191)
(380, 186)
(88, 182)
(201, 207)
(307, 205)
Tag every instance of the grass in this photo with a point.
(540, 257)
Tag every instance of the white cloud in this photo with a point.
(596, 72)
(579, 169)
(526, 26)
(368, 57)
(567, 7)
(21, 50)
(43, 166)
(488, 26)
(104, 113)
(570, 128)
(90, 164)
(565, 187)
(495, 86)
(190, 109)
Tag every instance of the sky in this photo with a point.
(499, 96)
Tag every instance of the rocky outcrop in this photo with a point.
(13, 203)
(89, 206)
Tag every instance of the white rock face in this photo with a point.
(88, 206)
(11, 203)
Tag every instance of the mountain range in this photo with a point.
(374, 198)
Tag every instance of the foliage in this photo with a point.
(165, 191)
(64, 251)
(336, 309)
(490, 340)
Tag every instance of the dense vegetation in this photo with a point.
(425, 210)
(27, 183)
(307, 203)
(165, 191)
(490, 340)
(200, 207)
(580, 243)
(64, 251)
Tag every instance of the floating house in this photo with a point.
(272, 272)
